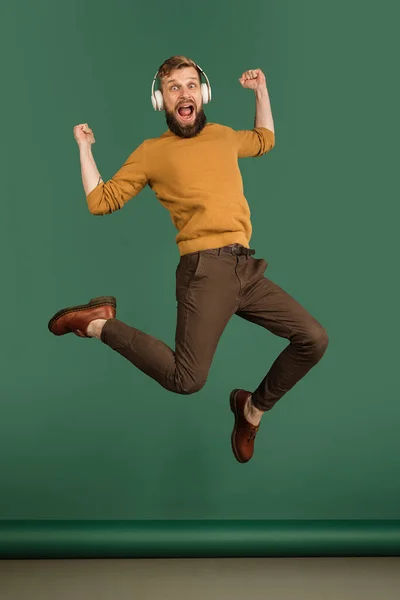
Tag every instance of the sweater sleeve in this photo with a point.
(127, 182)
(254, 142)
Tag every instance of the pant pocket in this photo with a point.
(264, 265)
(188, 269)
(260, 265)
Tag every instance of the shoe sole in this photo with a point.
(96, 302)
(232, 402)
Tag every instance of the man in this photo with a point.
(193, 170)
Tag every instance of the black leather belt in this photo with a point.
(238, 250)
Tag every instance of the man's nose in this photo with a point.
(185, 93)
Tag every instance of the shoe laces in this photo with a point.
(252, 434)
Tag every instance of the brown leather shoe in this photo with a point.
(77, 318)
(244, 433)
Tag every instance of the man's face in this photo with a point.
(183, 102)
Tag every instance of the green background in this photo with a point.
(83, 435)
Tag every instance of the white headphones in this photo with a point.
(157, 97)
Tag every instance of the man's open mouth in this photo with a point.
(186, 111)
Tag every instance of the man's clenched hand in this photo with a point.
(84, 135)
(253, 79)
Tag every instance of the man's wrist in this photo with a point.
(85, 149)
(261, 93)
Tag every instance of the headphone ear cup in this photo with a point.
(205, 93)
(157, 100)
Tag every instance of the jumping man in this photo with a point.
(193, 170)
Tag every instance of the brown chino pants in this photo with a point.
(211, 286)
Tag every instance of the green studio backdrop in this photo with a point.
(84, 435)
(197, 539)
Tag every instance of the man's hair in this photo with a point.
(176, 62)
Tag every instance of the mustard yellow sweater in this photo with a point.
(197, 180)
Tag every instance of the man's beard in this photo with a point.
(186, 131)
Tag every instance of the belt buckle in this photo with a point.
(239, 250)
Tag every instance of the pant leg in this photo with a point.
(266, 304)
(207, 293)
